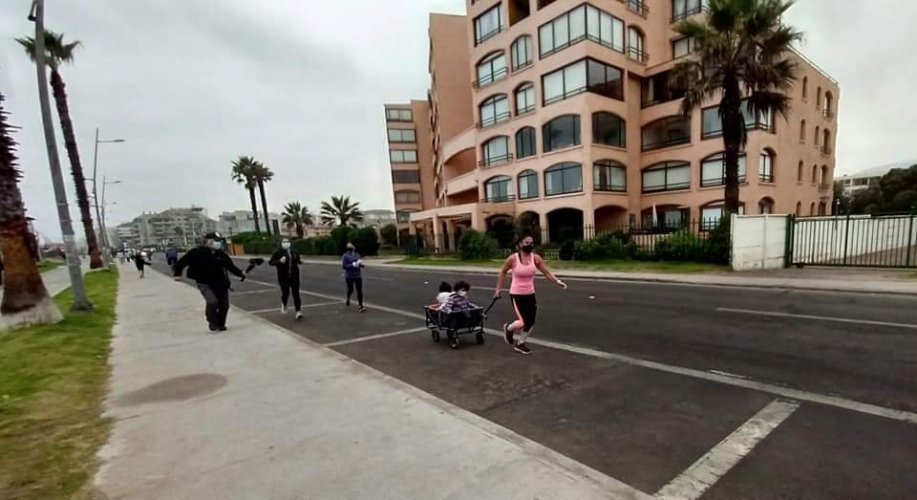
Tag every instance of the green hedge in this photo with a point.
(475, 245)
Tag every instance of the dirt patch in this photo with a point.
(175, 389)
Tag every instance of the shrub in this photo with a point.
(325, 245)
(587, 250)
(366, 240)
(614, 247)
(684, 245)
(389, 235)
(719, 243)
(567, 249)
(304, 247)
(341, 236)
(257, 244)
(477, 246)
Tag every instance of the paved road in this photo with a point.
(657, 385)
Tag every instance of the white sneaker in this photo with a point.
(283, 309)
(298, 314)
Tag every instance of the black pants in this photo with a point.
(217, 308)
(526, 308)
(288, 285)
(358, 284)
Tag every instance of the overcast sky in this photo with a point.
(192, 84)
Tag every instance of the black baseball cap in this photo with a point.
(213, 236)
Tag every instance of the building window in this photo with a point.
(638, 6)
(525, 98)
(766, 206)
(656, 89)
(666, 132)
(818, 98)
(817, 135)
(667, 176)
(561, 132)
(405, 177)
(403, 156)
(404, 215)
(805, 87)
(492, 68)
(586, 75)
(766, 166)
(496, 152)
(399, 115)
(682, 47)
(518, 10)
(544, 3)
(812, 208)
(826, 142)
(814, 174)
(407, 197)
(635, 48)
(522, 52)
(799, 169)
(713, 124)
(609, 129)
(488, 24)
(828, 112)
(802, 132)
(528, 185)
(582, 23)
(712, 213)
(798, 208)
(401, 135)
(525, 142)
(563, 178)
(499, 189)
(494, 110)
(824, 175)
(713, 170)
(609, 175)
(684, 8)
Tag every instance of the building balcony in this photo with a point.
(461, 183)
(639, 7)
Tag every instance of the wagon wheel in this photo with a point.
(454, 340)
(435, 335)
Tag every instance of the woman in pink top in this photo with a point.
(524, 264)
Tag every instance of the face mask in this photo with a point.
(285, 246)
(217, 245)
(462, 293)
(528, 248)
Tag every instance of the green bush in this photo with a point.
(366, 240)
(389, 235)
(325, 245)
(304, 247)
(341, 236)
(719, 243)
(605, 246)
(257, 244)
(474, 245)
(567, 250)
(682, 246)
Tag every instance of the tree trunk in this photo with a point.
(267, 218)
(299, 230)
(733, 137)
(76, 168)
(251, 196)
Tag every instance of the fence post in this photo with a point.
(910, 238)
(788, 247)
(846, 237)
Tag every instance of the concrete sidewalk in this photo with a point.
(257, 412)
(815, 279)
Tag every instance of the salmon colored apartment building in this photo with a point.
(558, 112)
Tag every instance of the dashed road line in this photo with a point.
(373, 337)
(305, 306)
(708, 469)
(776, 314)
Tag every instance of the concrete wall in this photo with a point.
(758, 242)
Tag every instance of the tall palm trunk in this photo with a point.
(251, 196)
(267, 217)
(76, 168)
(25, 299)
(733, 137)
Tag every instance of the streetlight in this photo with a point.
(95, 187)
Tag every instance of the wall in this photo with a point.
(758, 242)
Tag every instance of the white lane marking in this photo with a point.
(786, 392)
(291, 310)
(776, 314)
(252, 292)
(708, 469)
(373, 337)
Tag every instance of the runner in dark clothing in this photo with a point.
(208, 265)
(287, 262)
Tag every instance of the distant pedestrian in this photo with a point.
(172, 256)
(524, 265)
(208, 265)
(287, 262)
(353, 274)
(141, 260)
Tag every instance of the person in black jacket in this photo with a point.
(208, 265)
(287, 262)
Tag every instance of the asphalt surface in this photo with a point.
(613, 391)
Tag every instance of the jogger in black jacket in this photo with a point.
(208, 265)
(287, 262)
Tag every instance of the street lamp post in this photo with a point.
(95, 190)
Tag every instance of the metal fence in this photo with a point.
(855, 241)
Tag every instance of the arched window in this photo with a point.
(666, 132)
(713, 170)
(818, 98)
(802, 132)
(667, 176)
(609, 129)
(829, 105)
(494, 110)
(822, 208)
(525, 142)
(528, 184)
(499, 189)
(525, 98)
(495, 152)
(492, 68)
(817, 135)
(563, 178)
(812, 208)
(711, 213)
(766, 206)
(826, 142)
(521, 52)
(798, 208)
(561, 132)
(407, 196)
(799, 170)
(609, 175)
(805, 88)
(766, 165)
(635, 44)
(824, 175)
(814, 174)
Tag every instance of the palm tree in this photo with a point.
(57, 53)
(25, 299)
(341, 211)
(298, 216)
(263, 174)
(741, 52)
(243, 172)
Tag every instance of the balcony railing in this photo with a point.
(503, 198)
(827, 113)
(823, 187)
(496, 160)
(768, 178)
(502, 117)
(488, 79)
(686, 14)
(639, 7)
(637, 54)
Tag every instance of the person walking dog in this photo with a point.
(353, 274)
(287, 262)
(524, 264)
